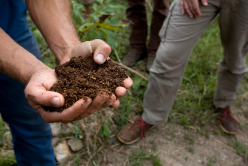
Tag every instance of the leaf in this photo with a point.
(109, 26)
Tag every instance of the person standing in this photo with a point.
(179, 34)
(136, 13)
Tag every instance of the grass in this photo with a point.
(241, 149)
(211, 160)
(138, 157)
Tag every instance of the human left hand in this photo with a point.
(191, 7)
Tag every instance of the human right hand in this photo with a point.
(38, 88)
(191, 7)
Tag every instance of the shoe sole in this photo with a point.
(228, 132)
(127, 143)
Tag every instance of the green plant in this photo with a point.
(7, 160)
(190, 138)
(137, 158)
(105, 130)
(191, 150)
(211, 160)
(1, 132)
(241, 149)
(93, 28)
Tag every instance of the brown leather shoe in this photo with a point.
(149, 63)
(227, 123)
(131, 59)
(131, 133)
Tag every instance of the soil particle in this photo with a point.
(81, 77)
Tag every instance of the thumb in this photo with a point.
(101, 50)
(44, 97)
(204, 2)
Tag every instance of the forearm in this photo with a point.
(53, 20)
(15, 61)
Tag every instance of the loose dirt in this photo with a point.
(81, 78)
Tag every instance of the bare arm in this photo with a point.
(53, 20)
(17, 62)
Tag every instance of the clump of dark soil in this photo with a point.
(81, 78)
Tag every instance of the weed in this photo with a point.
(241, 149)
(1, 132)
(190, 138)
(7, 160)
(211, 160)
(105, 130)
(191, 150)
(137, 158)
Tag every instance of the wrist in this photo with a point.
(63, 50)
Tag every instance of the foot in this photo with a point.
(227, 123)
(131, 59)
(149, 63)
(132, 132)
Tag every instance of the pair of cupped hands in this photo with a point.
(38, 94)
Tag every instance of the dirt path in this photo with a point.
(176, 146)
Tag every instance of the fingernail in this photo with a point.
(205, 3)
(56, 102)
(100, 58)
(88, 102)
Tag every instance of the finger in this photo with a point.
(68, 115)
(39, 95)
(195, 8)
(101, 50)
(181, 6)
(120, 91)
(97, 102)
(115, 104)
(109, 102)
(205, 2)
(128, 82)
(186, 8)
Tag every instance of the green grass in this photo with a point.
(241, 149)
(138, 157)
(211, 160)
(7, 160)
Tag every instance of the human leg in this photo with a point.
(178, 35)
(234, 37)
(136, 13)
(160, 11)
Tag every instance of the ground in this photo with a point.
(174, 145)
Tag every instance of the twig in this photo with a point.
(123, 117)
(225, 145)
(47, 51)
(149, 4)
(94, 155)
(125, 162)
(117, 55)
(130, 70)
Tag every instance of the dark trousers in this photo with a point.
(136, 13)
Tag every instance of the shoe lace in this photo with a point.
(142, 124)
(226, 114)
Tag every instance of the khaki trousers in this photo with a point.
(179, 35)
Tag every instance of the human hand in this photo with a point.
(38, 94)
(191, 7)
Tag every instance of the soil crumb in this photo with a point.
(81, 77)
